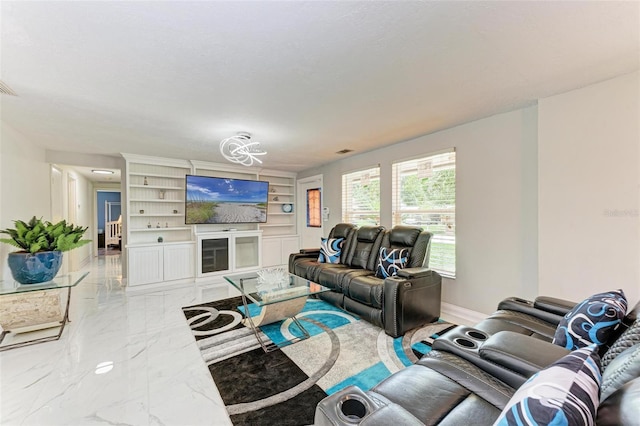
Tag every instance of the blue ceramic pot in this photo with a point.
(34, 268)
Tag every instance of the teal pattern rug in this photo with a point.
(266, 388)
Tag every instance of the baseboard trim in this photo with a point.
(471, 317)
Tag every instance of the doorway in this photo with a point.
(310, 228)
(109, 222)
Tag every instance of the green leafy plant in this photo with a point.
(36, 236)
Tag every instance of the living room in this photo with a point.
(546, 181)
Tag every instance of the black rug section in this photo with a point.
(297, 411)
(221, 305)
(257, 375)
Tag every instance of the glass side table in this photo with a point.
(27, 308)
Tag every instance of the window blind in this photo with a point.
(424, 194)
(361, 197)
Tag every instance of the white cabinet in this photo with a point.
(276, 250)
(145, 265)
(220, 253)
(178, 261)
(160, 263)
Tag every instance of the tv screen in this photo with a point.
(224, 200)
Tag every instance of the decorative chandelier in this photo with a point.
(239, 149)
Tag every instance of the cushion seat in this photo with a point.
(366, 289)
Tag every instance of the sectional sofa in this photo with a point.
(350, 265)
(502, 371)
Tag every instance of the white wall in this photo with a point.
(496, 205)
(589, 190)
(24, 184)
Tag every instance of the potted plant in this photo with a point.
(41, 244)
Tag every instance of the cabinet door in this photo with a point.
(271, 252)
(289, 245)
(145, 265)
(178, 261)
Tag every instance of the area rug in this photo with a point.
(284, 386)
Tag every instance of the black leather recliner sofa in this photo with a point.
(470, 375)
(398, 303)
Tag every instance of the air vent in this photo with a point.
(6, 90)
(344, 151)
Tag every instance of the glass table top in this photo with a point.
(248, 284)
(61, 281)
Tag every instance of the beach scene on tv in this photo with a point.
(219, 200)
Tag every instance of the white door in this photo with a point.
(57, 197)
(309, 233)
(72, 216)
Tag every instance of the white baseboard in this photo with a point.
(455, 312)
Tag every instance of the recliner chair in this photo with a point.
(471, 374)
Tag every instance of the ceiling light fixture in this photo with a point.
(239, 149)
(102, 172)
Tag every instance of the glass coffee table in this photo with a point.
(28, 308)
(282, 302)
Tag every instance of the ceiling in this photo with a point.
(307, 79)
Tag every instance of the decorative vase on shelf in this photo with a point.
(161, 194)
(145, 181)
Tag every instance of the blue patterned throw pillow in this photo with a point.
(565, 393)
(391, 261)
(591, 321)
(330, 249)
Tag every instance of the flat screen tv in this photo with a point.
(216, 200)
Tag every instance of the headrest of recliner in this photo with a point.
(342, 230)
(368, 234)
(402, 235)
(632, 315)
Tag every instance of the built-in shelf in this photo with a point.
(162, 228)
(158, 175)
(170, 188)
(151, 200)
(157, 214)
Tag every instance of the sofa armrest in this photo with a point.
(527, 307)
(554, 305)
(314, 251)
(411, 273)
(523, 354)
(303, 254)
(411, 302)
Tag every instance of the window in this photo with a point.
(424, 194)
(361, 197)
(313, 208)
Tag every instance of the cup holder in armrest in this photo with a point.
(477, 335)
(462, 341)
(465, 343)
(352, 408)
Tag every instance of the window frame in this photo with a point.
(443, 226)
(349, 215)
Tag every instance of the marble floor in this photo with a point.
(157, 377)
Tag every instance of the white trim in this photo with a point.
(160, 161)
(310, 179)
(468, 316)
